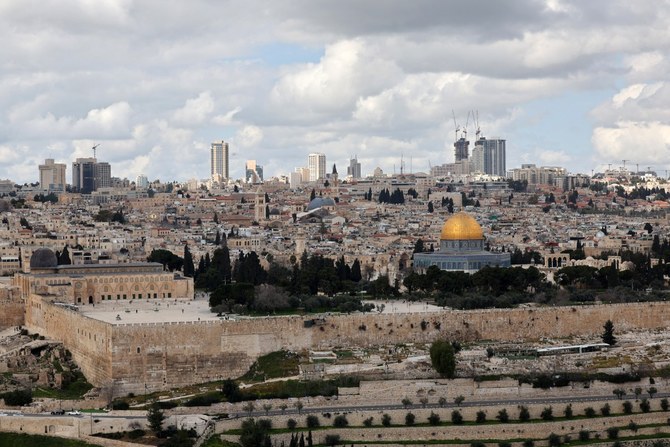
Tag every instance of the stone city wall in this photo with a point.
(12, 313)
(89, 341)
(159, 356)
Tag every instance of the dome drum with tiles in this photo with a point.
(43, 258)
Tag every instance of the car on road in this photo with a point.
(58, 412)
(74, 413)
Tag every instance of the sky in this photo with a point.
(572, 83)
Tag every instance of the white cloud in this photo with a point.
(248, 136)
(196, 110)
(645, 143)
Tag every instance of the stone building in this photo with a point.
(95, 283)
(461, 248)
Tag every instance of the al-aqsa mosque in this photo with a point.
(461, 248)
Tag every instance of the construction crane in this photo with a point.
(94, 148)
(456, 126)
(476, 117)
(465, 129)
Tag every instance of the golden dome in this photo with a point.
(461, 226)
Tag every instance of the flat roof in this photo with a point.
(159, 310)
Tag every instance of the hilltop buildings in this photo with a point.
(219, 161)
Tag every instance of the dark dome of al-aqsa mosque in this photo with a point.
(43, 258)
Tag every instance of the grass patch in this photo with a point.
(216, 441)
(297, 388)
(273, 365)
(76, 387)
(24, 440)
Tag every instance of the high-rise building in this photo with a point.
(354, 168)
(316, 162)
(103, 175)
(142, 182)
(88, 175)
(83, 175)
(489, 157)
(219, 156)
(52, 175)
(461, 149)
(254, 172)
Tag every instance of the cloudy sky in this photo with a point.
(574, 83)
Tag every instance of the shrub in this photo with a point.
(632, 426)
(584, 435)
(368, 422)
(312, 421)
(456, 417)
(504, 444)
(409, 418)
(528, 443)
(503, 416)
(481, 416)
(568, 411)
(605, 410)
(589, 412)
(340, 421)
(645, 406)
(386, 420)
(291, 424)
(547, 414)
(664, 404)
(627, 407)
(434, 419)
(524, 414)
(17, 398)
(554, 440)
(332, 440)
(120, 405)
(612, 433)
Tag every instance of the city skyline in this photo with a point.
(547, 76)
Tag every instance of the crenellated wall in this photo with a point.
(159, 356)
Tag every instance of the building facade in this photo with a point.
(489, 157)
(52, 175)
(219, 158)
(354, 168)
(316, 163)
(253, 172)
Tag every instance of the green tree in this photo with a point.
(332, 440)
(189, 267)
(340, 421)
(547, 414)
(503, 416)
(608, 334)
(456, 417)
(255, 433)
(155, 418)
(443, 358)
(312, 421)
(524, 414)
(434, 418)
(627, 407)
(386, 420)
(481, 417)
(664, 404)
(410, 418)
(169, 260)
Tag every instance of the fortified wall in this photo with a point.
(155, 356)
(12, 307)
(88, 340)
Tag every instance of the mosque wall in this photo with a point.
(160, 356)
